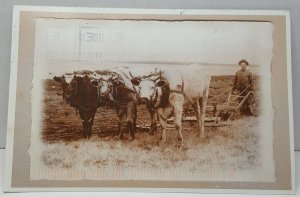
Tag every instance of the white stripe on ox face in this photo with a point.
(68, 78)
(147, 89)
(103, 83)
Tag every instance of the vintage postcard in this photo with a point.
(150, 100)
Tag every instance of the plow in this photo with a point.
(217, 115)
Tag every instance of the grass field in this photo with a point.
(223, 147)
(236, 146)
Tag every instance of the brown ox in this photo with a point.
(114, 89)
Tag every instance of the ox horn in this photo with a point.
(135, 78)
(93, 75)
(158, 76)
(131, 74)
(114, 77)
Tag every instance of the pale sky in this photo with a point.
(93, 42)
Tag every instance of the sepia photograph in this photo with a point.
(152, 100)
(136, 101)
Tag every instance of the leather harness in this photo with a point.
(179, 91)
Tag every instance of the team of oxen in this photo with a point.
(165, 92)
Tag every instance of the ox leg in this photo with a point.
(90, 124)
(196, 109)
(84, 124)
(177, 103)
(131, 119)
(163, 123)
(163, 115)
(86, 128)
(202, 102)
(153, 120)
(89, 128)
(120, 114)
(135, 117)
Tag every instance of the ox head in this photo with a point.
(149, 87)
(72, 84)
(76, 85)
(104, 81)
(65, 81)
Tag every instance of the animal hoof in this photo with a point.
(181, 147)
(200, 136)
(180, 143)
(130, 139)
(162, 145)
(163, 141)
(118, 137)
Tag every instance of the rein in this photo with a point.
(118, 103)
(114, 90)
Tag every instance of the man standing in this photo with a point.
(243, 83)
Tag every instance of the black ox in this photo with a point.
(81, 94)
(88, 90)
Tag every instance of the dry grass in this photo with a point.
(236, 147)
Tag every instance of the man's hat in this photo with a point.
(243, 61)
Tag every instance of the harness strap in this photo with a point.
(118, 102)
(98, 96)
(176, 91)
(179, 91)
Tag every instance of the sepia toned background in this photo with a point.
(21, 163)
